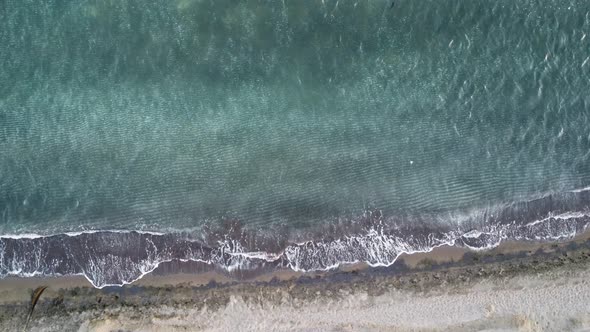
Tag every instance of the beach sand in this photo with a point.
(514, 287)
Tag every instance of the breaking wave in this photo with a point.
(108, 258)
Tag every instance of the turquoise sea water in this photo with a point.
(171, 115)
(166, 114)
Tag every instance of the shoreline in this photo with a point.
(71, 303)
(108, 258)
(199, 274)
(177, 294)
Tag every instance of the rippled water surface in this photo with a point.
(169, 115)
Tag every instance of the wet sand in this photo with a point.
(517, 286)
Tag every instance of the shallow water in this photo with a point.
(291, 117)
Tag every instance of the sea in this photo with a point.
(296, 134)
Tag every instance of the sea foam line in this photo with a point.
(374, 248)
(580, 190)
(73, 234)
(562, 216)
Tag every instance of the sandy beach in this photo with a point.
(515, 287)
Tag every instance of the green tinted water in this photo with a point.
(165, 115)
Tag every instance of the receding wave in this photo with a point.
(121, 257)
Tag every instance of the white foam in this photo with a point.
(73, 234)
(580, 190)
(562, 216)
(474, 234)
(487, 246)
(261, 255)
(373, 248)
(373, 264)
(154, 266)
